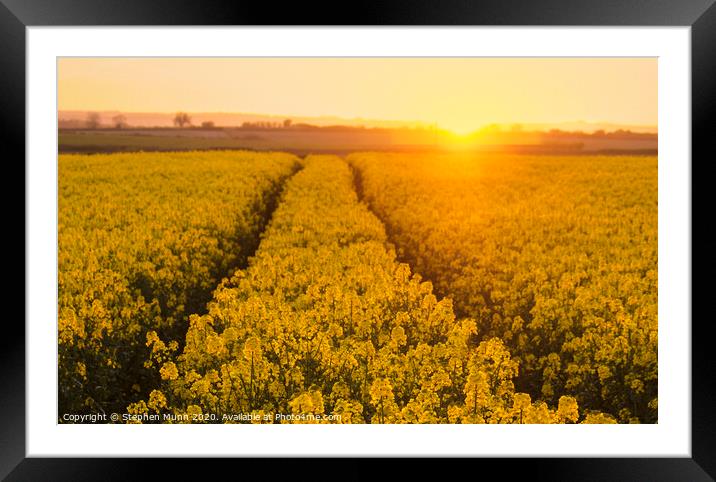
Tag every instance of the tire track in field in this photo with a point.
(200, 298)
(249, 246)
(400, 254)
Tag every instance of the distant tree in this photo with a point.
(93, 120)
(182, 119)
(119, 121)
(287, 123)
(207, 125)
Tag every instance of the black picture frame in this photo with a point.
(700, 15)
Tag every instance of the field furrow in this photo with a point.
(326, 326)
(555, 255)
(144, 238)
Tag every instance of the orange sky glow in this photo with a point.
(459, 94)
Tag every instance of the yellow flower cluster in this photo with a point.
(143, 240)
(325, 321)
(556, 256)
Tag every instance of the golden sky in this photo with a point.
(461, 94)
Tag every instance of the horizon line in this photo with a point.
(407, 122)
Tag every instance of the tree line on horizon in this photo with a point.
(182, 120)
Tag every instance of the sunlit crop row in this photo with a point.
(143, 240)
(556, 256)
(326, 326)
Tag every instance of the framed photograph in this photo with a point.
(421, 231)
